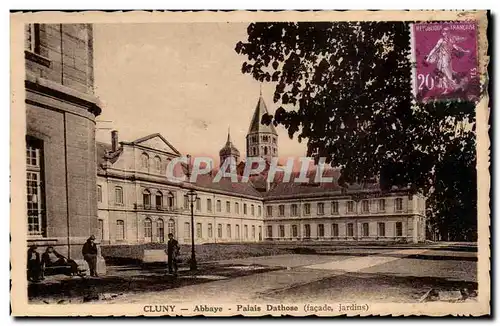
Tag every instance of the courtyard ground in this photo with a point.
(385, 274)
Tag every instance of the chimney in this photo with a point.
(114, 140)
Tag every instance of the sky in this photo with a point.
(183, 81)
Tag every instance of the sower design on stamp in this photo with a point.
(446, 61)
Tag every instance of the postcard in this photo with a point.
(281, 163)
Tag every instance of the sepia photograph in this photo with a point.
(247, 163)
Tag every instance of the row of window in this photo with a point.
(158, 202)
(156, 231)
(265, 150)
(365, 227)
(264, 139)
(365, 207)
(145, 162)
(249, 232)
(228, 205)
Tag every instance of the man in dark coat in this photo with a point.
(172, 253)
(89, 252)
(34, 264)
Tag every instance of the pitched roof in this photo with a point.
(145, 138)
(291, 189)
(225, 184)
(255, 125)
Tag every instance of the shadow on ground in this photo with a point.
(124, 280)
(369, 287)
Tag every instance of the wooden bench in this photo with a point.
(154, 256)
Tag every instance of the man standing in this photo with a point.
(89, 252)
(172, 253)
(34, 264)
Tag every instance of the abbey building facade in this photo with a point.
(138, 204)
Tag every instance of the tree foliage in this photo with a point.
(346, 89)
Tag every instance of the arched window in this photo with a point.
(171, 227)
(160, 230)
(145, 161)
(265, 150)
(157, 163)
(170, 200)
(159, 199)
(147, 230)
(146, 198)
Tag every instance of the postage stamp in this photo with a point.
(249, 163)
(446, 61)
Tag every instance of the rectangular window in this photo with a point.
(335, 230)
(253, 231)
(365, 205)
(281, 210)
(399, 204)
(170, 200)
(307, 209)
(245, 209)
(186, 202)
(228, 207)
(295, 231)
(120, 230)
(219, 230)
(210, 231)
(198, 204)
(246, 231)
(335, 207)
(259, 211)
(366, 229)
(237, 231)
(399, 229)
(209, 204)
(381, 205)
(350, 206)
(282, 231)
(199, 233)
(321, 208)
(99, 194)
(350, 230)
(269, 210)
(32, 38)
(219, 206)
(159, 200)
(321, 230)
(237, 208)
(252, 210)
(228, 231)
(294, 210)
(34, 186)
(187, 231)
(381, 229)
(269, 231)
(119, 195)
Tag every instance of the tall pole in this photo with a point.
(193, 264)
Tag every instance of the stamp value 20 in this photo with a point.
(446, 61)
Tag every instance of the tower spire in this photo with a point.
(229, 134)
(260, 89)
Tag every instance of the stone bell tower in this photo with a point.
(262, 140)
